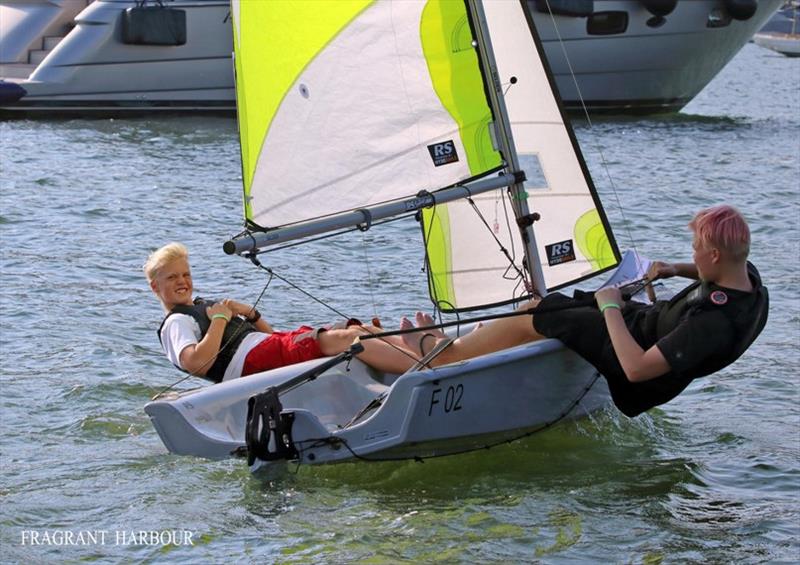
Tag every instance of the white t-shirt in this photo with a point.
(181, 330)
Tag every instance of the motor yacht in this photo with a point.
(119, 56)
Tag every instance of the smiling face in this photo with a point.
(173, 284)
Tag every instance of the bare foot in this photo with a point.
(425, 320)
(419, 340)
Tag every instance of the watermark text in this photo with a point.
(106, 537)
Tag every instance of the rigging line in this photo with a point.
(437, 310)
(505, 194)
(603, 161)
(499, 244)
(628, 291)
(426, 262)
(221, 348)
(369, 274)
(370, 333)
(272, 273)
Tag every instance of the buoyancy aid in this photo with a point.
(747, 316)
(235, 332)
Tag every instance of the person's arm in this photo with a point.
(639, 365)
(662, 270)
(198, 358)
(247, 312)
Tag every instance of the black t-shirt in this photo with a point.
(704, 337)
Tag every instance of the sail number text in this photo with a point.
(449, 400)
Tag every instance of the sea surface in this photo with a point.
(712, 477)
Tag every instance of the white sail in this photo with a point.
(367, 102)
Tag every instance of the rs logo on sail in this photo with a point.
(560, 252)
(443, 153)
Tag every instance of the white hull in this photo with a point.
(460, 407)
(784, 43)
(642, 69)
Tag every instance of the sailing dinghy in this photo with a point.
(443, 111)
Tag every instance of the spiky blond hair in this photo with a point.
(162, 256)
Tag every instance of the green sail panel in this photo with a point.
(448, 44)
(347, 104)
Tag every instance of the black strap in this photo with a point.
(268, 433)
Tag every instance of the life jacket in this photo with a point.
(235, 332)
(747, 318)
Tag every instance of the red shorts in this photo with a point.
(281, 349)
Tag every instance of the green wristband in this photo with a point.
(223, 316)
(608, 305)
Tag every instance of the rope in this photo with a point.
(512, 264)
(628, 290)
(370, 333)
(369, 274)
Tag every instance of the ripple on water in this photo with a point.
(109, 426)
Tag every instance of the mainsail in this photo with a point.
(348, 105)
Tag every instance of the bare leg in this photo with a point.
(368, 329)
(389, 356)
(494, 336)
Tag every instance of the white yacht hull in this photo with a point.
(783, 43)
(642, 69)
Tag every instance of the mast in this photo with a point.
(506, 143)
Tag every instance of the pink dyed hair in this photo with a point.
(725, 228)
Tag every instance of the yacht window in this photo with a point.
(153, 25)
(718, 18)
(607, 23)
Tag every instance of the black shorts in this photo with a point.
(583, 330)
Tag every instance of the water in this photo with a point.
(714, 476)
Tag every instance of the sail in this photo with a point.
(347, 104)
(573, 237)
